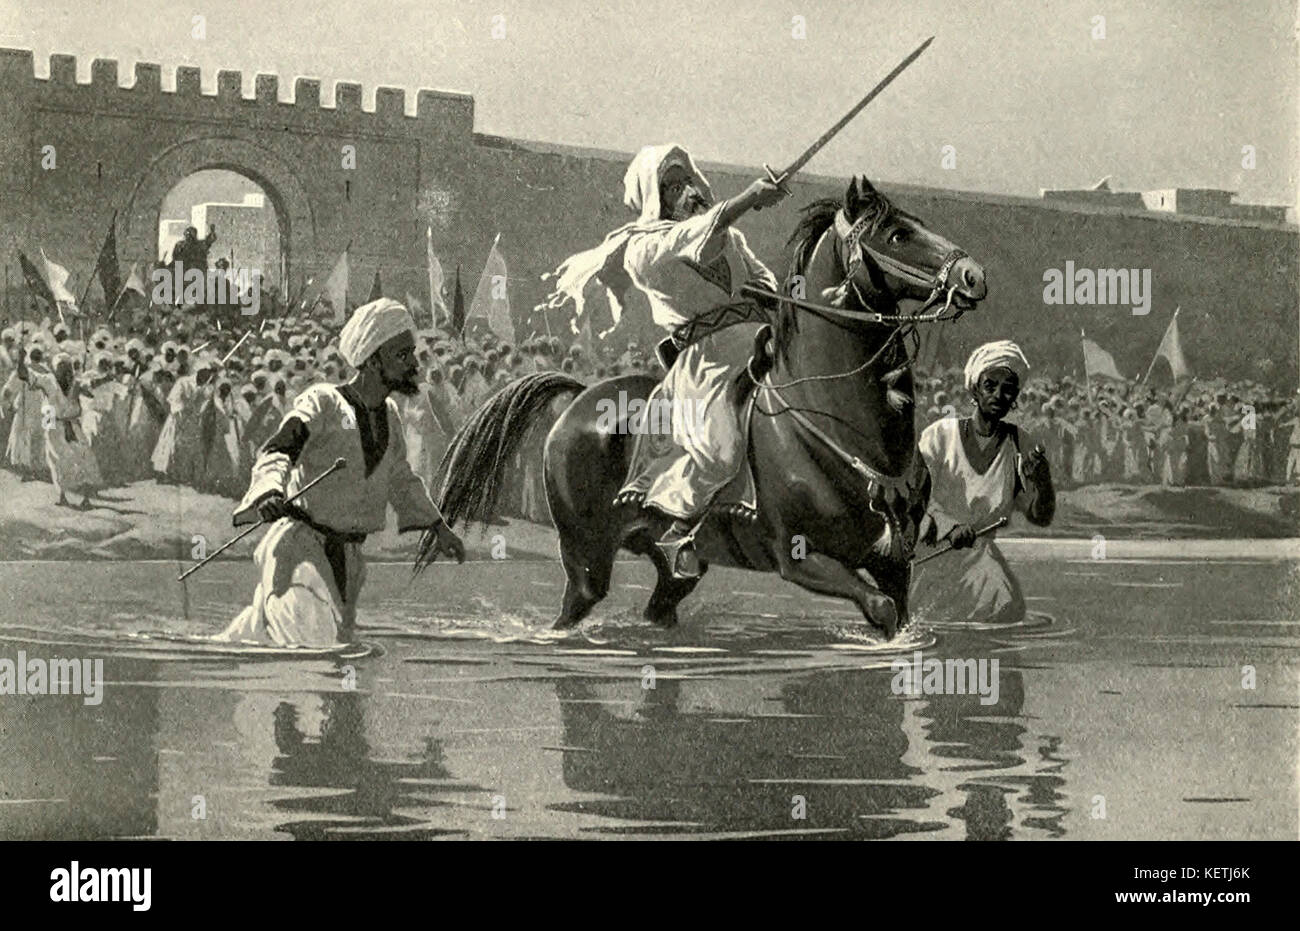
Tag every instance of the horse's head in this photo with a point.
(885, 254)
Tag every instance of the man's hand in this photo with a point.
(962, 537)
(273, 507)
(1035, 467)
(763, 193)
(447, 542)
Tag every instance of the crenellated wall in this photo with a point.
(123, 148)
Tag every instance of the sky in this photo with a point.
(1025, 93)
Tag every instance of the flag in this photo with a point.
(585, 336)
(110, 276)
(57, 276)
(335, 290)
(376, 289)
(458, 307)
(436, 303)
(134, 282)
(491, 300)
(1171, 347)
(1097, 361)
(35, 282)
(414, 305)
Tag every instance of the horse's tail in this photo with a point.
(472, 473)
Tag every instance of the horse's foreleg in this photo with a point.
(661, 610)
(828, 576)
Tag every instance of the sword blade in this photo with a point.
(857, 108)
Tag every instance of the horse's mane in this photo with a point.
(816, 218)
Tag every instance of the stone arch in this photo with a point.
(297, 221)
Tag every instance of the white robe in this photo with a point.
(297, 600)
(706, 427)
(71, 461)
(26, 447)
(972, 585)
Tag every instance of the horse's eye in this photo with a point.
(897, 236)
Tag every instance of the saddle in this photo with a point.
(653, 453)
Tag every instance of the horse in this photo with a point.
(832, 440)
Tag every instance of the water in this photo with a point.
(1123, 689)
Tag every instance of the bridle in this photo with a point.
(851, 236)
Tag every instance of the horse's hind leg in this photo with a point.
(587, 573)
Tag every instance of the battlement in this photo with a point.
(105, 89)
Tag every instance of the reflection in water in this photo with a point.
(339, 757)
(864, 762)
(756, 719)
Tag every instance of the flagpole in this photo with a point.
(1149, 368)
(1087, 378)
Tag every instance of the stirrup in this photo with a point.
(683, 562)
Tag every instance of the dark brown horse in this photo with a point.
(831, 446)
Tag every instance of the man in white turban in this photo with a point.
(685, 255)
(978, 476)
(309, 563)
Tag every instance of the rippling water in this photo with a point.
(768, 713)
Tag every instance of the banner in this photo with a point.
(334, 292)
(110, 276)
(1171, 348)
(1097, 361)
(437, 306)
(491, 298)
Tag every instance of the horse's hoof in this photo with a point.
(665, 621)
(883, 615)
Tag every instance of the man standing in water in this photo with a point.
(979, 474)
(309, 563)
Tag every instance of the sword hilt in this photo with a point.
(778, 180)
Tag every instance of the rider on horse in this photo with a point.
(686, 256)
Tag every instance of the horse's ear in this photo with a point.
(852, 196)
(866, 187)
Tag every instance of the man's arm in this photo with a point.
(698, 238)
(265, 497)
(411, 502)
(1035, 494)
(761, 193)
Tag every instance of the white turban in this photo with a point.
(370, 326)
(999, 353)
(641, 181)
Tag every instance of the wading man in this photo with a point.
(310, 566)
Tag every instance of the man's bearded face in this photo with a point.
(398, 368)
(680, 194)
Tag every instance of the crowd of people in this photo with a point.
(175, 398)
(170, 394)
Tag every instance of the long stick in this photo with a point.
(247, 333)
(1001, 521)
(338, 464)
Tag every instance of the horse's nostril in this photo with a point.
(968, 276)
